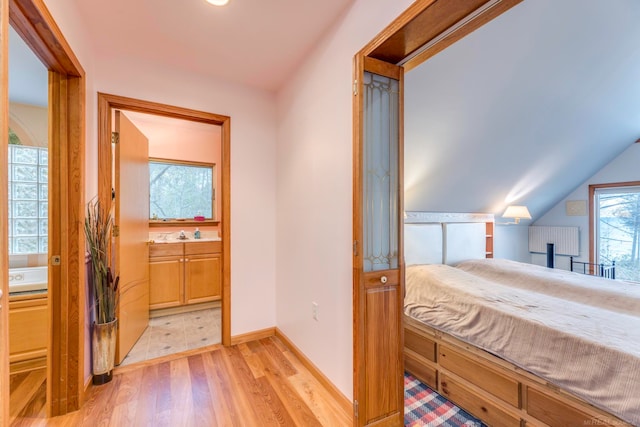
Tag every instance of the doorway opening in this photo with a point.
(177, 266)
(28, 225)
(423, 30)
(169, 228)
(65, 240)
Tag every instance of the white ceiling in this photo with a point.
(525, 109)
(256, 43)
(28, 77)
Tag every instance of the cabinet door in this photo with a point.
(202, 278)
(165, 282)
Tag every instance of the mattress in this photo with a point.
(584, 348)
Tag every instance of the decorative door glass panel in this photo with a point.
(380, 180)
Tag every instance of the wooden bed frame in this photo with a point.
(490, 388)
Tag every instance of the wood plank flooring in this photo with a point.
(260, 383)
(28, 395)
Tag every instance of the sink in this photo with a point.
(161, 238)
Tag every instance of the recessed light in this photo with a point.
(218, 2)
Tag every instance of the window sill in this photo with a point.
(180, 223)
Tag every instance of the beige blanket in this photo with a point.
(615, 295)
(588, 350)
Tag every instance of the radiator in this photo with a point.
(566, 239)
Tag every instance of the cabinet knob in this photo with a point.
(383, 279)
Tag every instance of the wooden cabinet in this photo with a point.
(28, 331)
(184, 273)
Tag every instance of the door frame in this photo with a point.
(106, 104)
(421, 31)
(33, 22)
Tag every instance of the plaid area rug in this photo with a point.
(425, 407)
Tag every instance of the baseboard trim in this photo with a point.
(159, 312)
(28, 365)
(342, 400)
(253, 336)
(88, 385)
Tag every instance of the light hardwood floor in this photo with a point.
(260, 383)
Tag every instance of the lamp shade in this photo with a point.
(517, 212)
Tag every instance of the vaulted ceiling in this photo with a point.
(525, 109)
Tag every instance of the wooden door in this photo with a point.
(132, 232)
(378, 260)
(166, 282)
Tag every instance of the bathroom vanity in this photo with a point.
(28, 331)
(184, 273)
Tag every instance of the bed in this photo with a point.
(512, 343)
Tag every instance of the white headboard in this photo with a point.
(444, 238)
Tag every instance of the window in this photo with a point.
(28, 205)
(617, 227)
(180, 190)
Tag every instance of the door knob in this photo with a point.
(383, 279)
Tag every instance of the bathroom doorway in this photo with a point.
(28, 230)
(188, 276)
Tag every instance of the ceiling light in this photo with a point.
(218, 2)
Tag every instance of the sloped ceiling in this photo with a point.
(524, 109)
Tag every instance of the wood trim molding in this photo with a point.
(106, 104)
(253, 336)
(4, 215)
(342, 400)
(32, 20)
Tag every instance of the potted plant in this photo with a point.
(104, 290)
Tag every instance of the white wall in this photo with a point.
(253, 161)
(314, 199)
(253, 157)
(623, 168)
(511, 241)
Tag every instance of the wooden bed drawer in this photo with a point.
(418, 369)
(480, 375)
(557, 413)
(477, 404)
(420, 344)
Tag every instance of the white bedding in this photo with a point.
(583, 347)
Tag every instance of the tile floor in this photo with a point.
(175, 333)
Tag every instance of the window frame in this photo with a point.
(191, 221)
(594, 214)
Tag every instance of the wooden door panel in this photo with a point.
(134, 308)
(165, 283)
(381, 367)
(203, 278)
(131, 241)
